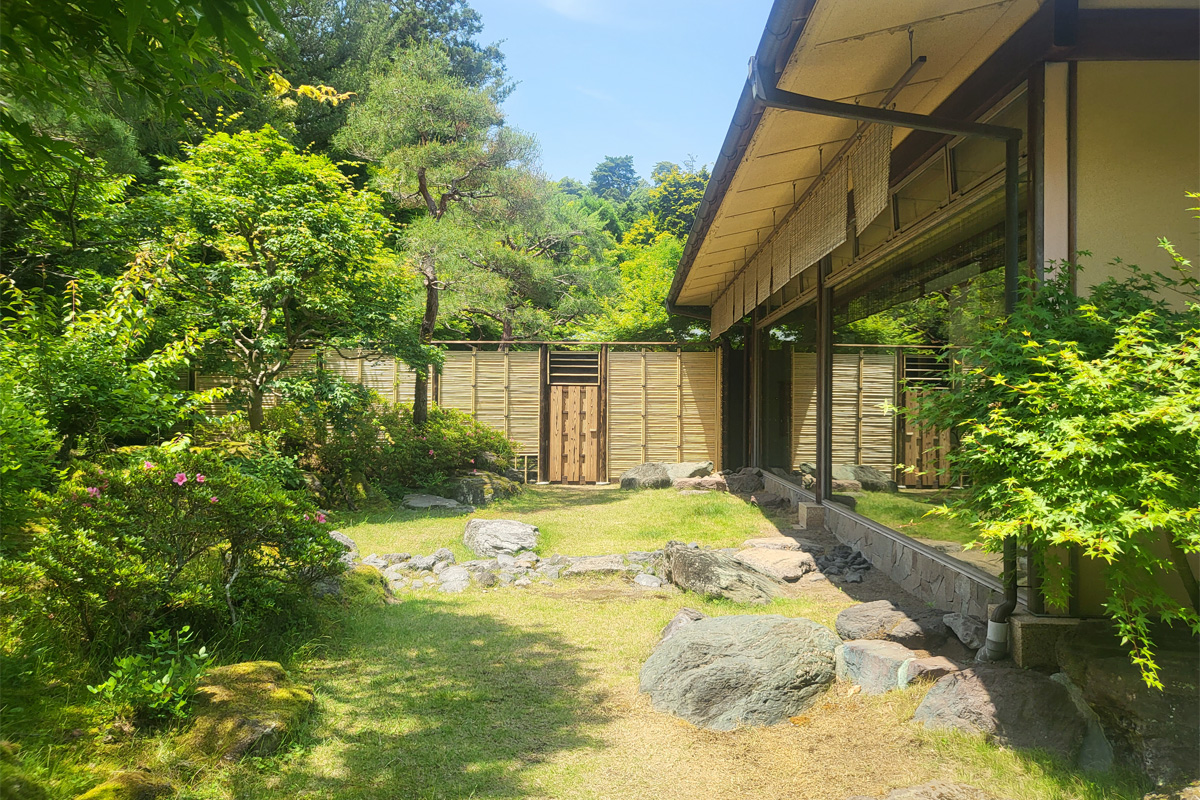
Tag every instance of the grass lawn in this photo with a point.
(533, 693)
(908, 511)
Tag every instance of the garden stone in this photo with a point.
(506, 576)
(480, 488)
(845, 486)
(775, 543)
(722, 672)
(506, 561)
(489, 462)
(1157, 730)
(422, 502)
(454, 579)
(527, 560)
(871, 479)
(394, 573)
(376, 562)
(522, 581)
(930, 669)
(782, 565)
(1013, 707)
(395, 558)
(709, 483)
(486, 579)
(745, 481)
(882, 619)
(873, 664)
(684, 617)
(717, 575)
(651, 475)
(598, 565)
(351, 554)
(444, 554)
(552, 571)
(422, 563)
(971, 631)
(245, 709)
(647, 580)
(494, 537)
(439, 567)
(1095, 754)
(689, 469)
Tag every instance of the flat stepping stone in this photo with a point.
(599, 565)
(421, 502)
(782, 565)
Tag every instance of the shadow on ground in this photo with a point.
(428, 702)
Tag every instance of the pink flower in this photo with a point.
(87, 505)
(472, 461)
(101, 471)
(180, 478)
(200, 479)
(93, 491)
(321, 518)
(212, 499)
(306, 517)
(430, 452)
(148, 465)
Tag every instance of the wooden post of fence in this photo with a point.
(858, 432)
(602, 421)
(679, 403)
(506, 406)
(645, 429)
(544, 413)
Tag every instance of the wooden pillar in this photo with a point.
(544, 413)
(602, 423)
(824, 465)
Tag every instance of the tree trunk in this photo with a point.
(256, 408)
(428, 323)
(507, 335)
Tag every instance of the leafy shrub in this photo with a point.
(425, 457)
(346, 434)
(1079, 423)
(27, 448)
(158, 684)
(258, 454)
(164, 531)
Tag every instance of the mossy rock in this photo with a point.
(364, 585)
(14, 783)
(130, 786)
(481, 488)
(246, 709)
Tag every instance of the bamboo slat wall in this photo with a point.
(498, 389)
(391, 379)
(863, 433)
(662, 407)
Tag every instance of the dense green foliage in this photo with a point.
(158, 683)
(1079, 424)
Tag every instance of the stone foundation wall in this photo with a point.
(923, 572)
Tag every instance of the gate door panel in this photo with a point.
(575, 418)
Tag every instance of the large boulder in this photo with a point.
(651, 475)
(715, 574)
(883, 619)
(971, 631)
(1157, 730)
(246, 709)
(481, 488)
(689, 469)
(722, 672)
(782, 565)
(747, 480)
(1013, 707)
(871, 479)
(493, 537)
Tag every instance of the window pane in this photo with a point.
(976, 159)
(922, 195)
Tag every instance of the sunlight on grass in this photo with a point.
(573, 521)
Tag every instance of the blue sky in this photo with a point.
(655, 79)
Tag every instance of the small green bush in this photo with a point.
(27, 449)
(157, 684)
(425, 457)
(167, 533)
(347, 435)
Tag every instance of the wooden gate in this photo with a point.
(574, 434)
(576, 418)
(924, 449)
